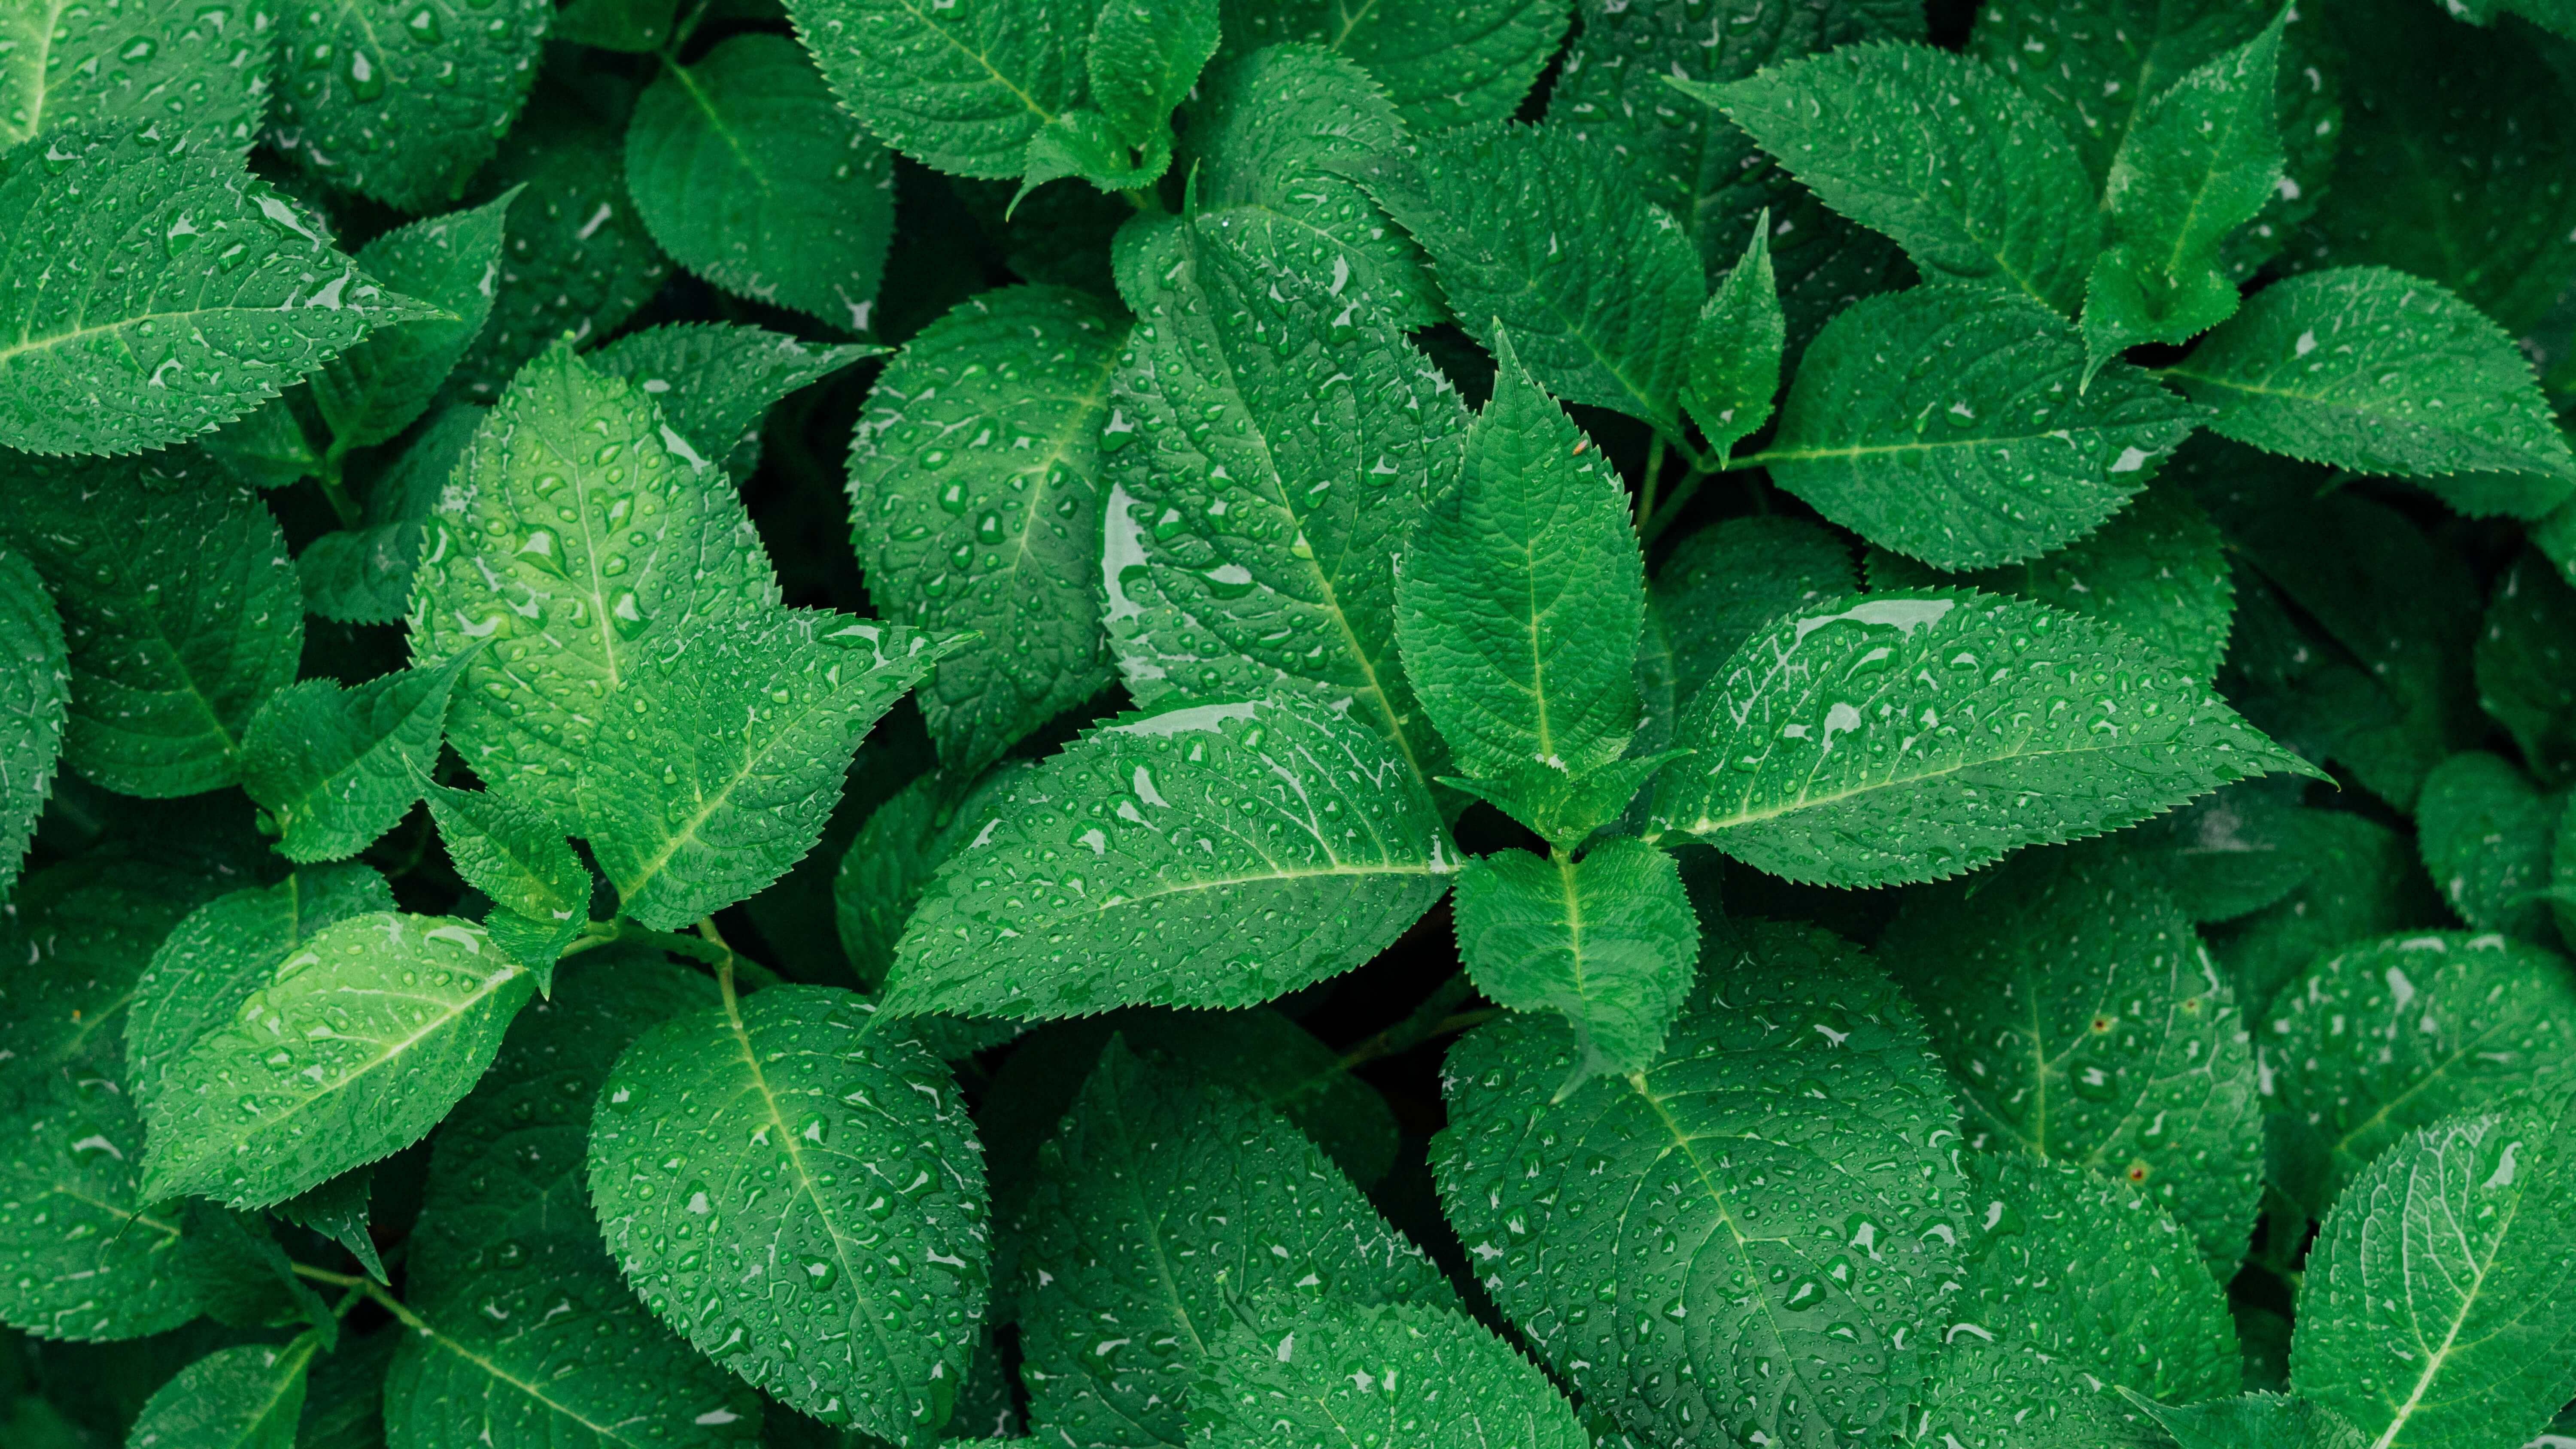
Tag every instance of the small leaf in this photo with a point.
(344, 1396)
(1988, 449)
(896, 853)
(206, 67)
(363, 575)
(339, 767)
(242, 1278)
(1735, 349)
(1144, 58)
(416, 94)
(749, 175)
(35, 698)
(1608, 941)
(259, 1108)
(1342, 1375)
(2484, 829)
(233, 1398)
(2227, 854)
(518, 859)
(376, 389)
(716, 383)
(1189, 823)
(1443, 67)
(960, 88)
(337, 1209)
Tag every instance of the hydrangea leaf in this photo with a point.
(1342, 1375)
(1988, 449)
(1442, 67)
(1725, 581)
(370, 393)
(726, 752)
(716, 382)
(2256, 1421)
(748, 174)
(2376, 371)
(1735, 349)
(336, 768)
(250, 1397)
(245, 298)
(1258, 555)
(1520, 594)
(2363, 880)
(960, 89)
(2484, 830)
(1911, 735)
(258, 1108)
(564, 610)
(344, 1396)
(2525, 679)
(242, 1278)
(1163, 1201)
(1784, 1253)
(338, 1210)
(1144, 59)
(35, 700)
(2387, 1036)
(1534, 231)
(402, 100)
(2436, 1305)
(1975, 180)
(540, 890)
(1608, 941)
(179, 608)
(808, 1137)
(363, 575)
(982, 440)
(2003, 1392)
(204, 67)
(2227, 854)
(2158, 569)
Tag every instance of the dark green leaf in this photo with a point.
(363, 575)
(205, 66)
(715, 383)
(233, 1398)
(336, 768)
(960, 88)
(35, 697)
(1735, 350)
(1724, 582)
(2526, 679)
(1609, 942)
(2484, 829)
(1343, 1375)
(1443, 66)
(402, 100)
(381, 386)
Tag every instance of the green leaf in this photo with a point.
(2225, 855)
(1735, 349)
(337, 1209)
(1981, 1393)
(748, 174)
(1520, 594)
(523, 863)
(566, 609)
(1711, 1191)
(1608, 941)
(1443, 66)
(1198, 826)
(1162, 1203)
(2158, 569)
(363, 575)
(233, 1398)
(578, 259)
(373, 391)
(35, 696)
(633, 26)
(2436, 1305)
(2095, 1276)
(344, 1397)
(2256, 1421)
(2084, 1023)
(1907, 736)
(271, 447)
(1727, 580)
(226, 949)
(2375, 371)
(1943, 155)
(1144, 58)
(401, 100)
(2363, 881)
(728, 752)
(2525, 678)
(259, 1108)
(981, 440)
(2484, 829)
(204, 66)
(245, 298)
(808, 1137)
(1343, 1375)
(179, 608)
(1534, 231)
(2387, 1036)
(1989, 449)
(241, 1277)
(715, 382)
(336, 768)
(2199, 161)
(1273, 142)
(896, 853)
(961, 88)
(1338, 434)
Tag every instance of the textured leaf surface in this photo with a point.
(1735, 350)
(1911, 735)
(1269, 447)
(35, 698)
(151, 292)
(1144, 59)
(1724, 582)
(1442, 65)
(1207, 855)
(516, 857)
(376, 389)
(892, 859)
(179, 608)
(338, 1210)
(2484, 830)
(206, 67)
(1697, 1248)
(2436, 1305)
(960, 88)
(363, 575)
(2227, 854)
(565, 609)
(1535, 229)
(2084, 1023)
(354, 1048)
(727, 753)
(2158, 569)
(339, 767)
(2376, 371)
(1971, 177)
(2258, 1421)
(749, 175)
(2387, 1036)
(807, 1147)
(2526, 680)
(232, 1263)
(2363, 881)
(1608, 941)
(982, 440)
(1335, 1373)
(1163, 1202)
(1988, 450)
(234, 1398)
(401, 100)
(715, 383)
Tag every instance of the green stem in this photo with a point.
(1662, 519)
(681, 32)
(334, 491)
(368, 1286)
(1434, 1017)
(1646, 485)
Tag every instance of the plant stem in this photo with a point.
(368, 1286)
(1434, 1017)
(334, 491)
(1646, 485)
(1654, 526)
